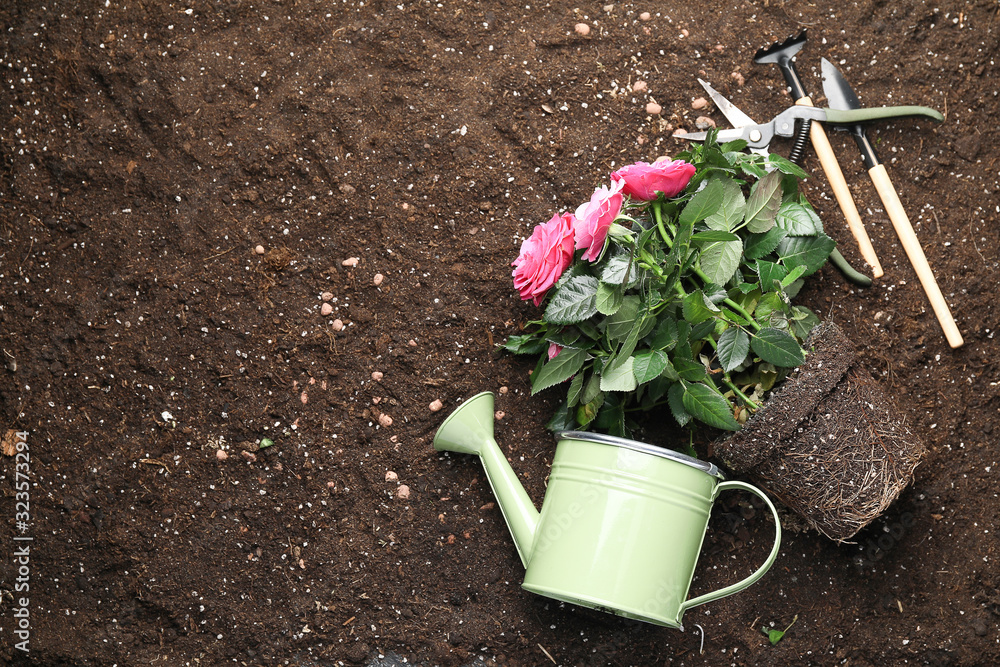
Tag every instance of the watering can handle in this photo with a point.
(762, 570)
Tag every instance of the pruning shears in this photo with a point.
(744, 123)
(759, 135)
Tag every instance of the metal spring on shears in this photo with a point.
(801, 138)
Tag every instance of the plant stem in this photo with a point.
(743, 397)
(660, 226)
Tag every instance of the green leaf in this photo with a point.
(769, 272)
(713, 235)
(777, 347)
(733, 347)
(649, 365)
(736, 318)
(798, 220)
(775, 636)
(620, 377)
(574, 302)
(621, 323)
(792, 276)
(670, 372)
(565, 337)
(666, 335)
(558, 369)
(808, 251)
(763, 203)
(803, 322)
(640, 329)
(695, 308)
(719, 261)
(734, 146)
(592, 389)
(655, 390)
(761, 245)
(704, 203)
(586, 412)
(753, 169)
(611, 417)
(714, 295)
(609, 298)
(526, 344)
(675, 399)
(562, 418)
(731, 209)
(708, 406)
(575, 389)
(618, 269)
(689, 369)
(770, 304)
(703, 330)
(786, 166)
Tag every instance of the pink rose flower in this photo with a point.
(554, 349)
(594, 218)
(643, 181)
(544, 256)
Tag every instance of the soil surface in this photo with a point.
(394, 154)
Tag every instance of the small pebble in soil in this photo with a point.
(653, 109)
(259, 250)
(451, 539)
(412, 343)
(685, 33)
(347, 188)
(640, 87)
(435, 405)
(641, 139)
(679, 131)
(326, 296)
(331, 485)
(166, 416)
(338, 325)
(249, 456)
(738, 78)
(582, 29)
(350, 261)
(699, 103)
(377, 280)
(304, 397)
(385, 420)
(377, 376)
(221, 455)
(645, 16)
(499, 414)
(704, 122)
(390, 476)
(403, 491)
(325, 309)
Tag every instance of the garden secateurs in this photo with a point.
(758, 138)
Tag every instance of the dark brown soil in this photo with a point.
(149, 147)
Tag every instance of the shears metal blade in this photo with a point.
(733, 114)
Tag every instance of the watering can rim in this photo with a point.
(645, 448)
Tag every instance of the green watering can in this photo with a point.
(622, 522)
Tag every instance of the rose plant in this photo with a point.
(673, 286)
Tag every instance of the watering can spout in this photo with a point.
(469, 430)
